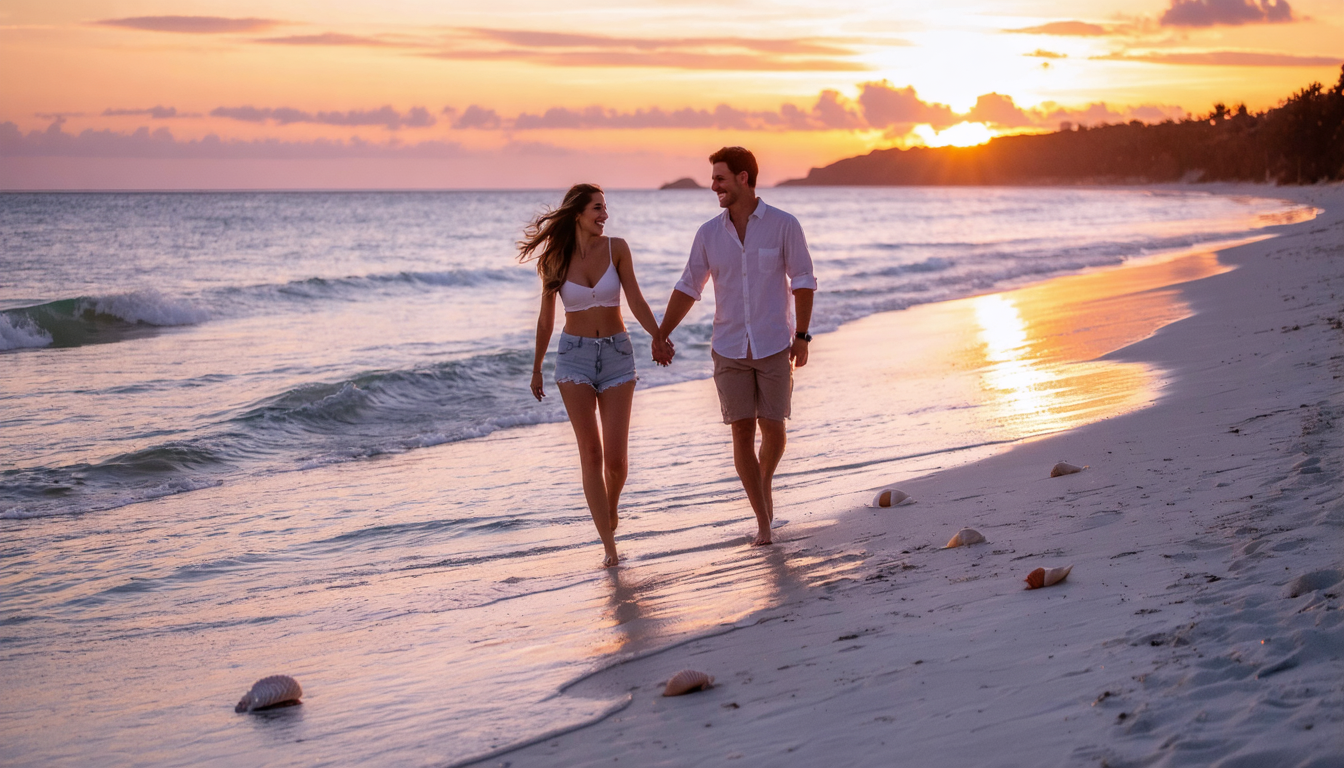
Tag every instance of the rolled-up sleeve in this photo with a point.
(797, 259)
(696, 274)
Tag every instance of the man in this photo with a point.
(756, 255)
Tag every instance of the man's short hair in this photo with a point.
(738, 160)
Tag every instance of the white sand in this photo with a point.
(1174, 641)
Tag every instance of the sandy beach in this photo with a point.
(355, 500)
(1200, 624)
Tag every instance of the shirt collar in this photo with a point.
(756, 214)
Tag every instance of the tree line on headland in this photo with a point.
(1299, 142)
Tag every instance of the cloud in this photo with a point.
(997, 109)
(143, 143)
(196, 25)
(832, 111)
(479, 118)
(885, 106)
(336, 39)
(57, 116)
(1210, 13)
(658, 59)
(387, 117)
(1052, 115)
(879, 106)
(782, 46)
(1228, 59)
(157, 113)
(1064, 29)
(563, 49)
(1043, 54)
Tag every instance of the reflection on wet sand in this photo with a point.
(948, 383)
(1038, 346)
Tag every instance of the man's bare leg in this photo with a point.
(773, 439)
(749, 472)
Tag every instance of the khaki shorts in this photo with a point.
(754, 389)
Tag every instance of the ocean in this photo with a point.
(254, 433)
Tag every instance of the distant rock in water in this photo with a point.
(686, 183)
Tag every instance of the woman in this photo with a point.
(595, 367)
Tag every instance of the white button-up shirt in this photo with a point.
(753, 280)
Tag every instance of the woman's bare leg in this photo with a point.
(614, 404)
(581, 403)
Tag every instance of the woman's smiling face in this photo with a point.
(594, 217)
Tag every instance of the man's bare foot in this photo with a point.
(610, 560)
(762, 539)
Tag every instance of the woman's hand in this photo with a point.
(537, 391)
(663, 350)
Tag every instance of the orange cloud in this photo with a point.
(195, 25)
(786, 46)
(1228, 59)
(659, 59)
(336, 39)
(1064, 29)
(564, 49)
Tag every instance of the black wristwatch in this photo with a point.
(804, 335)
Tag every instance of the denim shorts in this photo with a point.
(599, 363)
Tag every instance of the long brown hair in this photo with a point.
(551, 238)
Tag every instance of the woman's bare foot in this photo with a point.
(615, 519)
(611, 560)
(762, 538)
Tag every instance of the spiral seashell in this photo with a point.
(965, 537)
(1047, 577)
(1065, 468)
(272, 691)
(686, 681)
(891, 497)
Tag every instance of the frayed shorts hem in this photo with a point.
(605, 385)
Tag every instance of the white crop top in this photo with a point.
(607, 292)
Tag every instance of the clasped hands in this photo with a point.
(663, 350)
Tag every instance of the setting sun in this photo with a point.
(959, 135)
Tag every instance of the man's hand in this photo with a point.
(663, 351)
(798, 353)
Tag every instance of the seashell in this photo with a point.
(273, 691)
(1065, 468)
(965, 537)
(686, 681)
(891, 497)
(1047, 577)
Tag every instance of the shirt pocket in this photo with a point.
(769, 259)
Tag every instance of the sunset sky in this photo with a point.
(533, 94)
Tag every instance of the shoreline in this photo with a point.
(1148, 664)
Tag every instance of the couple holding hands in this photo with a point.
(756, 255)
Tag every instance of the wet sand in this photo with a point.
(1200, 624)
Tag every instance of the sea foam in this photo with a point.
(20, 332)
(146, 306)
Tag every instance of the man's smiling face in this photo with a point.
(728, 187)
